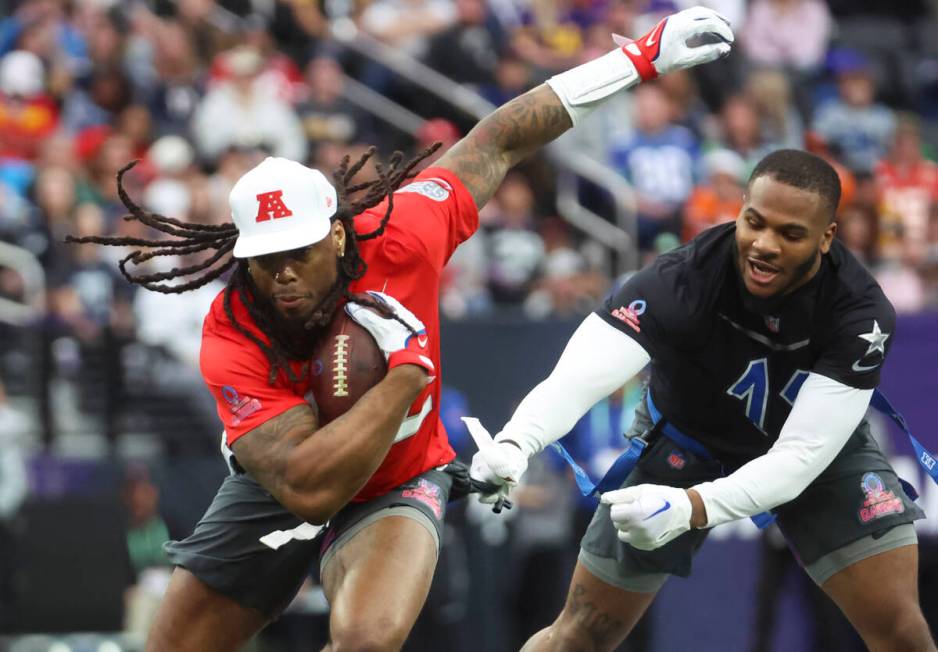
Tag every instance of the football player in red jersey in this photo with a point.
(372, 477)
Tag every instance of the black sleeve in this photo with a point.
(643, 308)
(858, 346)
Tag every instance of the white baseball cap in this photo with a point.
(280, 205)
(21, 74)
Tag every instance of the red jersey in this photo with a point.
(432, 216)
(906, 195)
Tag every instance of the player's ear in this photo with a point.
(338, 237)
(828, 238)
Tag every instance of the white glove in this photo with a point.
(647, 516)
(665, 49)
(396, 341)
(501, 463)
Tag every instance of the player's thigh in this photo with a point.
(378, 563)
(193, 617)
(248, 548)
(879, 596)
(850, 512)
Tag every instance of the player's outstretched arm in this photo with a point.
(824, 415)
(597, 360)
(315, 476)
(515, 130)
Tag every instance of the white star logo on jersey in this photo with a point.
(877, 340)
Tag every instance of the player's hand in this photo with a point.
(665, 48)
(647, 516)
(403, 340)
(500, 463)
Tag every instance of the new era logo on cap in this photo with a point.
(280, 205)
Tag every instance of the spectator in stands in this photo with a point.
(436, 130)
(175, 93)
(513, 76)
(907, 185)
(568, 284)
(787, 33)
(659, 161)
(553, 33)
(779, 120)
(325, 113)
(468, 52)
(28, 114)
(236, 113)
(104, 152)
(108, 91)
(741, 130)
(857, 228)
(147, 531)
(854, 124)
(719, 198)
(901, 277)
(408, 25)
(54, 197)
(515, 250)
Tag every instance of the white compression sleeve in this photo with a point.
(581, 89)
(597, 360)
(821, 421)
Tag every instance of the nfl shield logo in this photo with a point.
(772, 323)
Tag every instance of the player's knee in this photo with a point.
(383, 635)
(903, 629)
(909, 631)
(582, 635)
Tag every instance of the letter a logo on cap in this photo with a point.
(270, 205)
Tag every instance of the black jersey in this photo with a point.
(724, 370)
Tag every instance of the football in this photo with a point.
(346, 363)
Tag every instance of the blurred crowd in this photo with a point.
(199, 91)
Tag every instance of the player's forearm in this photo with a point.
(598, 360)
(327, 469)
(822, 419)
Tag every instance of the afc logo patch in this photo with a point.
(879, 500)
(427, 493)
(270, 206)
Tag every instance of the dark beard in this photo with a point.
(770, 305)
(298, 338)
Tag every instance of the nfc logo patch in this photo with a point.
(270, 206)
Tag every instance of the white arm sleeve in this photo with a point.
(821, 421)
(598, 360)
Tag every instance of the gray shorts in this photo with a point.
(855, 509)
(251, 549)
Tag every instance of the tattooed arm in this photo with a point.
(505, 137)
(513, 131)
(314, 473)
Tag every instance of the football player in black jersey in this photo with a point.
(766, 338)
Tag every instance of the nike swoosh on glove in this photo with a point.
(647, 516)
(401, 343)
(500, 463)
(665, 48)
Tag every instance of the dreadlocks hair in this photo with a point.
(191, 238)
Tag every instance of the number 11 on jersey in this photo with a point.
(753, 387)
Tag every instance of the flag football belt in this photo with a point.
(620, 469)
